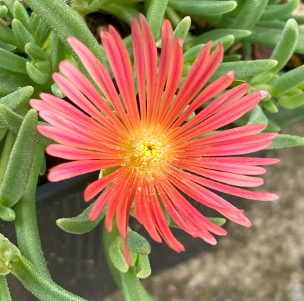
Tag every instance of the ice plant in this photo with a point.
(156, 152)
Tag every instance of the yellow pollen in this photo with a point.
(148, 149)
(146, 152)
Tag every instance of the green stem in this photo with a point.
(26, 223)
(108, 239)
(6, 152)
(42, 287)
(4, 290)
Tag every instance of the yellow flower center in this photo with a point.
(146, 153)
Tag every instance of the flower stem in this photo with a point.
(26, 224)
(4, 291)
(128, 282)
(42, 287)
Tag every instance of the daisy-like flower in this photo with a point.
(158, 156)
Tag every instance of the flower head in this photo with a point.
(156, 153)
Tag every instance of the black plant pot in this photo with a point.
(77, 262)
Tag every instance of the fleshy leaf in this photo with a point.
(217, 34)
(155, 16)
(81, 223)
(283, 141)
(21, 14)
(17, 99)
(182, 28)
(20, 163)
(13, 121)
(143, 266)
(138, 243)
(7, 214)
(130, 285)
(256, 116)
(3, 11)
(286, 45)
(250, 14)
(192, 53)
(288, 81)
(21, 33)
(12, 62)
(36, 75)
(219, 221)
(274, 12)
(270, 37)
(291, 102)
(35, 52)
(203, 8)
(244, 69)
(117, 255)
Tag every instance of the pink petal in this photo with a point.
(76, 168)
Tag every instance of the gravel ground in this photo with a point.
(264, 262)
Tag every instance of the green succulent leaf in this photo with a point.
(21, 33)
(143, 266)
(203, 8)
(12, 62)
(270, 105)
(291, 102)
(155, 16)
(21, 14)
(244, 69)
(182, 28)
(13, 121)
(286, 45)
(7, 36)
(283, 141)
(37, 75)
(117, 257)
(219, 221)
(42, 33)
(5, 293)
(192, 53)
(35, 52)
(56, 91)
(39, 285)
(130, 285)
(3, 11)
(270, 37)
(57, 52)
(43, 66)
(250, 14)
(256, 116)
(288, 81)
(67, 23)
(232, 58)
(138, 243)
(17, 99)
(26, 224)
(7, 214)
(217, 34)
(6, 46)
(8, 254)
(81, 223)
(11, 81)
(20, 163)
(274, 12)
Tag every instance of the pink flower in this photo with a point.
(156, 153)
